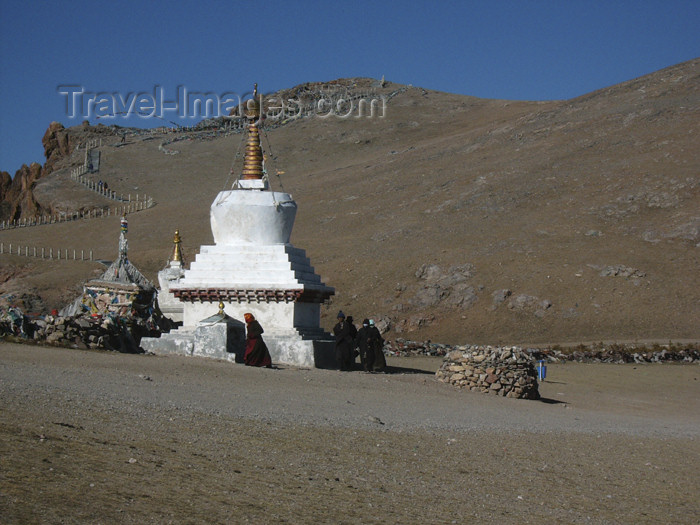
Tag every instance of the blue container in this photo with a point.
(541, 370)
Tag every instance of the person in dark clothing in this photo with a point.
(377, 342)
(344, 343)
(353, 333)
(366, 347)
(256, 352)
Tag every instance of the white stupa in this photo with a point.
(253, 268)
(169, 305)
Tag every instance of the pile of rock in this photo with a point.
(594, 353)
(108, 332)
(504, 371)
(402, 348)
(621, 354)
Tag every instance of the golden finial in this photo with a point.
(221, 308)
(177, 253)
(253, 158)
(253, 106)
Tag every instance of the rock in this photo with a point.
(429, 272)
(383, 323)
(499, 296)
(462, 295)
(621, 271)
(17, 199)
(448, 287)
(83, 323)
(428, 295)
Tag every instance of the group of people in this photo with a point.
(350, 342)
(366, 342)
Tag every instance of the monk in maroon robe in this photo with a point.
(256, 352)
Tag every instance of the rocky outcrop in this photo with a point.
(17, 199)
(16, 193)
(58, 143)
(503, 371)
(450, 287)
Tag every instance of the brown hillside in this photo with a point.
(529, 221)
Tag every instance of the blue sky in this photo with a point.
(526, 50)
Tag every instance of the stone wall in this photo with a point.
(503, 371)
(686, 352)
(108, 332)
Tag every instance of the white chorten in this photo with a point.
(253, 268)
(169, 305)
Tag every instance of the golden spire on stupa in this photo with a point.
(253, 159)
(177, 252)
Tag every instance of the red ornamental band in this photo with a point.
(251, 296)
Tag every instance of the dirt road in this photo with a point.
(96, 437)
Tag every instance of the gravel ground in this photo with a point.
(98, 437)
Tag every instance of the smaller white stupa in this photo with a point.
(253, 268)
(169, 305)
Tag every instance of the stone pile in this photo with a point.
(403, 348)
(503, 371)
(621, 354)
(596, 353)
(104, 332)
(108, 333)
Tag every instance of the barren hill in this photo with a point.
(451, 218)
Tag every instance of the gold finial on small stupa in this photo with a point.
(177, 252)
(253, 158)
(221, 308)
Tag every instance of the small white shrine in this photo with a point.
(169, 305)
(121, 290)
(252, 267)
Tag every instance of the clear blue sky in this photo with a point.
(528, 50)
